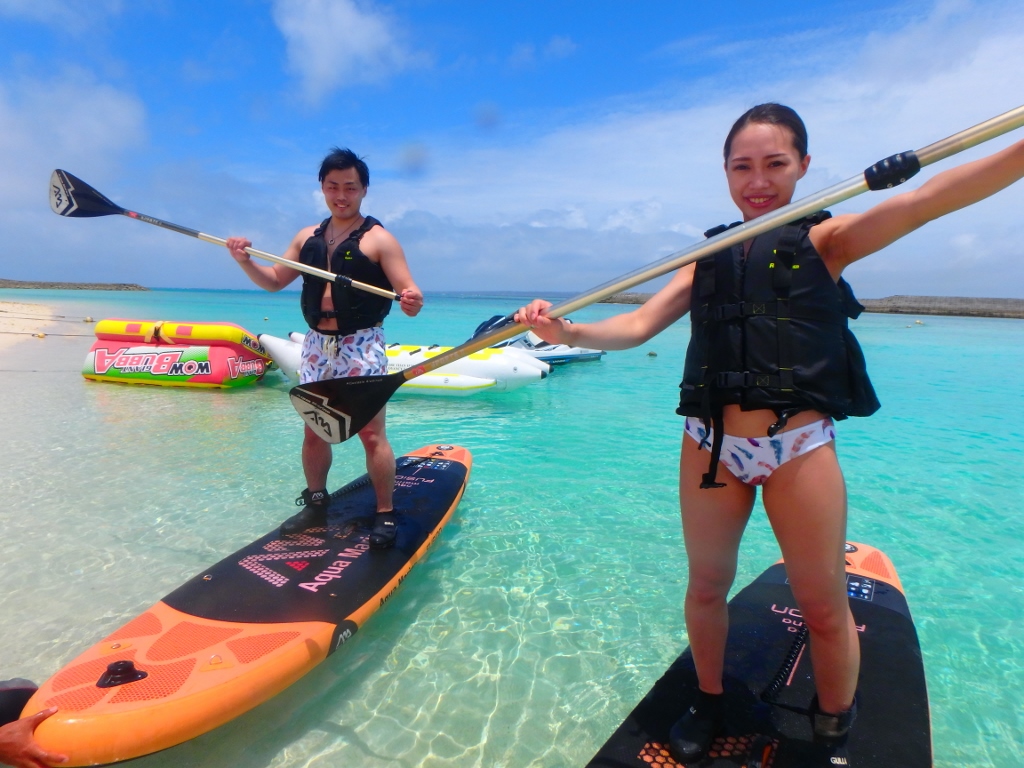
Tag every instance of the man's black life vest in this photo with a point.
(770, 331)
(354, 309)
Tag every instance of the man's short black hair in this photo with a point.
(341, 160)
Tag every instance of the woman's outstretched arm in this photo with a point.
(621, 331)
(845, 239)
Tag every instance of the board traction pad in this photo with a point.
(892, 729)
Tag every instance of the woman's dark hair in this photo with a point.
(341, 160)
(771, 114)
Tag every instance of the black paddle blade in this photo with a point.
(337, 409)
(70, 196)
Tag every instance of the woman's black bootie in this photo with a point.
(691, 736)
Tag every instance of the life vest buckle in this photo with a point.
(728, 312)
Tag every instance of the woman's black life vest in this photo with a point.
(354, 309)
(770, 331)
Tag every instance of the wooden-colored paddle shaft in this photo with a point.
(932, 153)
(299, 267)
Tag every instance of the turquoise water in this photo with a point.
(552, 601)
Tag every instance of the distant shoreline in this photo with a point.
(953, 306)
(72, 286)
(957, 306)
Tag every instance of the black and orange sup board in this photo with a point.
(245, 629)
(769, 687)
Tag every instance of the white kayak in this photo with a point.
(496, 370)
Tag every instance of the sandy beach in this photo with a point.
(35, 337)
(20, 322)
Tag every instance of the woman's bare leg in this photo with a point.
(713, 524)
(805, 500)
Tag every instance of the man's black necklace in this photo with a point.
(331, 228)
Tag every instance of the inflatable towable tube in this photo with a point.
(174, 354)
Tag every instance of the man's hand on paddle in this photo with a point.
(18, 748)
(553, 330)
(269, 277)
(411, 302)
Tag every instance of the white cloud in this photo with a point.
(656, 170)
(520, 257)
(70, 122)
(635, 217)
(560, 47)
(332, 44)
(552, 207)
(522, 56)
(525, 55)
(569, 218)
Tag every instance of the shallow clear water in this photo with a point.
(552, 601)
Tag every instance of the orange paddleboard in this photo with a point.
(248, 627)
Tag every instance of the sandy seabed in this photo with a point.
(19, 322)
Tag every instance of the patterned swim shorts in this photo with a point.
(325, 356)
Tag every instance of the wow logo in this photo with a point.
(143, 361)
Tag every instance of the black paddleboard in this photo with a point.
(769, 685)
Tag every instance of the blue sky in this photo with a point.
(526, 146)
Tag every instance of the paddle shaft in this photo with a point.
(872, 178)
(299, 267)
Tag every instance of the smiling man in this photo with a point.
(345, 336)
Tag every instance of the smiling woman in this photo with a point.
(760, 161)
(770, 366)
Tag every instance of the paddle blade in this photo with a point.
(70, 196)
(337, 409)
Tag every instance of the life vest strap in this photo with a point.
(749, 379)
(741, 310)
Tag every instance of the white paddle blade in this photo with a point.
(331, 425)
(70, 196)
(62, 202)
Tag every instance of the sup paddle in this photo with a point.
(72, 197)
(338, 408)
